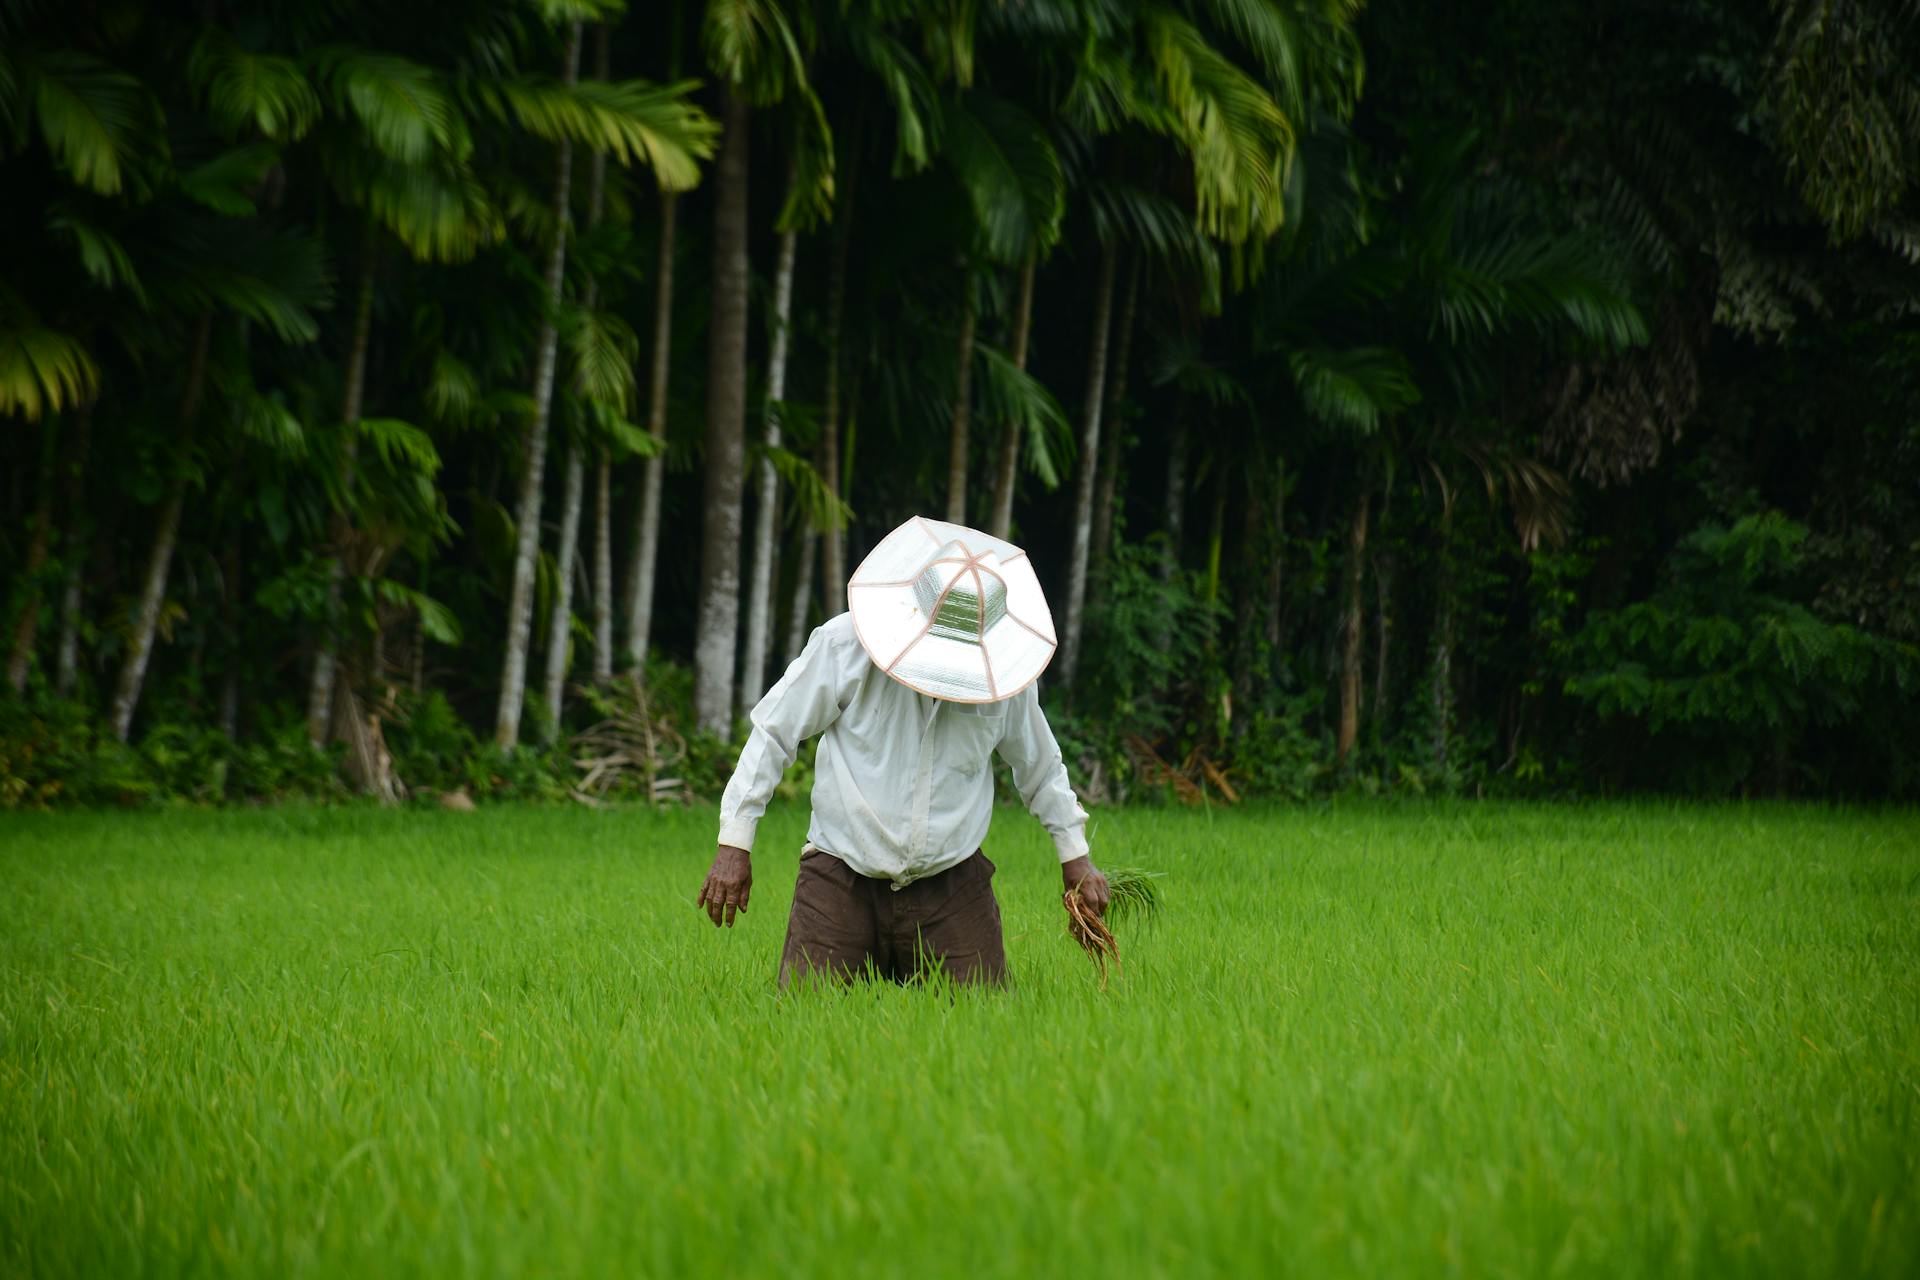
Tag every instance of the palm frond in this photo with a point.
(751, 44)
(1239, 139)
(1355, 388)
(821, 507)
(909, 89)
(41, 370)
(274, 278)
(267, 91)
(438, 210)
(267, 421)
(401, 445)
(1007, 393)
(1573, 279)
(1159, 228)
(102, 255)
(633, 120)
(438, 621)
(1275, 36)
(1181, 364)
(809, 200)
(403, 107)
(223, 184)
(601, 349)
(452, 392)
(1010, 172)
(624, 439)
(94, 119)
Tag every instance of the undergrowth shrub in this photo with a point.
(54, 752)
(1727, 662)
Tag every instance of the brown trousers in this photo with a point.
(849, 926)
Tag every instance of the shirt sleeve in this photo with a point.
(808, 698)
(1040, 775)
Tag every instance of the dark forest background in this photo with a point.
(477, 397)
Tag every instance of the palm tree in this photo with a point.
(646, 540)
(1163, 75)
(646, 535)
(1089, 457)
(513, 674)
(396, 150)
(760, 585)
(634, 121)
(1113, 437)
(1016, 189)
(753, 50)
(1007, 459)
(560, 617)
(719, 611)
(809, 200)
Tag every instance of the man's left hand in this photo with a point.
(1081, 874)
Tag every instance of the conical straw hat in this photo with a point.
(952, 612)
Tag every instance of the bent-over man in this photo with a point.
(929, 673)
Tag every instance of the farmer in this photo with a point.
(929, 673)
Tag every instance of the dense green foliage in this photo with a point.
(1408, 398)
(1367, 1040)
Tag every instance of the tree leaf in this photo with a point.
(42, 369)
(404, 109)
(94, 119)
(633, 120)
(240, 87)
(1010, 172)
(400, 444)
(222, 183)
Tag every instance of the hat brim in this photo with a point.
(892, 629)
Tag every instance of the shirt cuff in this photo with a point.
(739, 832)
(1071, 843)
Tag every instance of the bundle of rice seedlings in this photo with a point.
(1132, 892)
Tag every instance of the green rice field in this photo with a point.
(1366, 1040)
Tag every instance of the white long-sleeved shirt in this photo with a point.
(902, 788)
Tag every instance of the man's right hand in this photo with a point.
(729, 882)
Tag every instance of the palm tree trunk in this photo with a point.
(1382, 638)
(646, 538)
(326, 659)
(74, 552)
(1175, 503)
(560, 621)
(833, 554)
(833, 541)
(603, 569)
(67, 662)
(1006, 467)
(753, 680)
(228, 715)
(1352, 630)
(28, 625)
(802, 593)
(1247, 597)
(1441, 675)
(603, 466)
(717, 627)
(957, 449)
(153, 589)
(513, 673)
(1216, 534)
(1113, 437)
(1086, 464)
(1276, 563)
